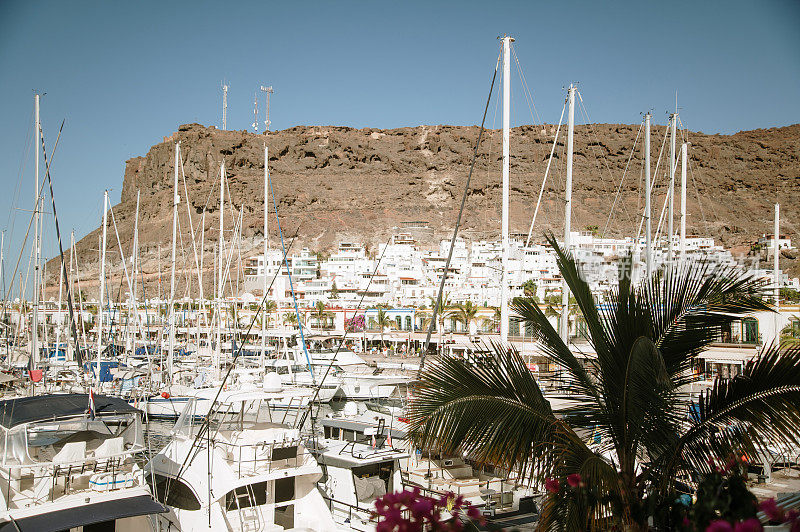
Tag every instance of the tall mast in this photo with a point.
(776, 256)
(134, 310)
(70, 287)
(648, 243)
(682, 248)
(220, 260)
(266, 255)
(36, 237)
(564, 325)
(175, 200)
(504, 317)
(59, 323)
(102, 288)
(673, 119)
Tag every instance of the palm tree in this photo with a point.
(320, 314)
(634, 396)
(466, 312)
(269, 307)
(290, 318)
(382, 321)
(789, 334)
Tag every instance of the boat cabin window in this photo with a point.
(284, 490)
(373, 480)
(284, 453)
(284, 516)
(332, 433)
(246, 496)
(349, 435)
(175, 493)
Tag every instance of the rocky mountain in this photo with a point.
(338, 183)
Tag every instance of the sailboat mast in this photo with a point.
(58, 320)
(134, 266)
(220, 291)
(504, 315)
(683, 201)
(673, 119)
(648, 242)
(201, 307)
(175, 200)
(266, 256)
(564, 325)
(36, 238)
(102, 288)
(776, 257)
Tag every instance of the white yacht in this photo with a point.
(172, 401)
(504, 500)
(355, 475)
(357, 381)
(240, 471)
(66, 466)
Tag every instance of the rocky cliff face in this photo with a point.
(338, 183)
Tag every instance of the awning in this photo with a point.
(15, 412)
(87, 514)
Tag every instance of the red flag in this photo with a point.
(91, 403)
(36, 375)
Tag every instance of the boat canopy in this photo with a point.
(86, 514)
(23, 410)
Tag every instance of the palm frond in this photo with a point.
(552, 344)
(750, 413)
(689, 304)
(491, 409)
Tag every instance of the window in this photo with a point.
(284, 453)
(284, 489)
(794, 327)
(750, 331)
(246, 496)
(284, 516)
(175, 493)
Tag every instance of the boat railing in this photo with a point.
(260, 457)
(498, 493)
(363, 514)
(32, 484)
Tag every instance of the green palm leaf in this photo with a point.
(632, 394)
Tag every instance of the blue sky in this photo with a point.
(124, 74)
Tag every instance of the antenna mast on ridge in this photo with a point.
(269, 91)
(224, 106)
(255, 112)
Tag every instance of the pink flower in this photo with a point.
(552, 485)
(422, 508)
(719, 526)
(748, 525)
(474, 514)
(574, 480)
(772, 510)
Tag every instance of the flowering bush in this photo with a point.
(410, 511)
(778, 515)
(724, 504)
(354, 324)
